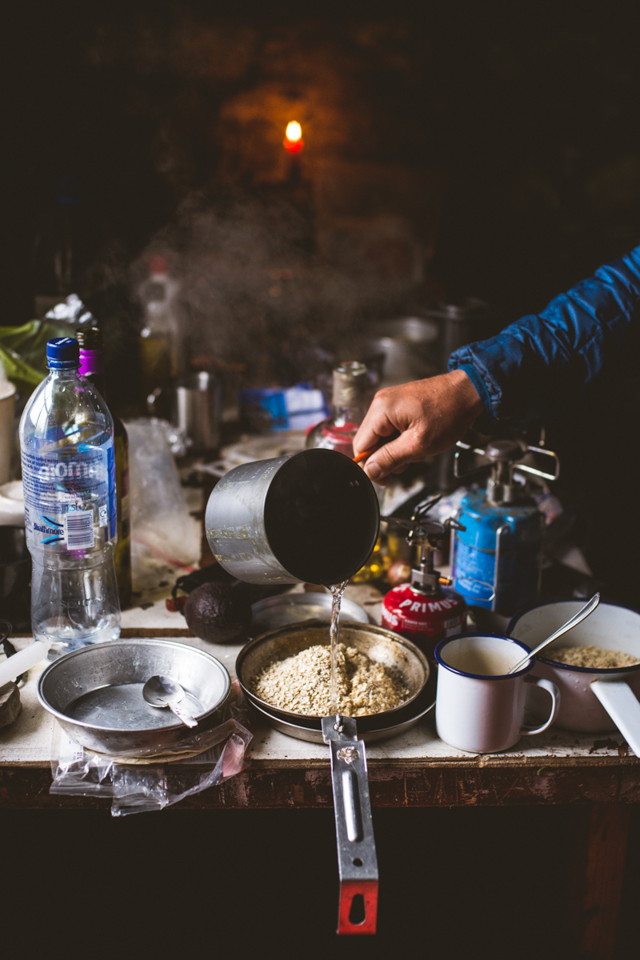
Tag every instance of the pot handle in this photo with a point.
(357, 860)
(622, 705)
(554, 693)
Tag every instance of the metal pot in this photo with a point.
(591, 700)
(405, 348)
(312, 517)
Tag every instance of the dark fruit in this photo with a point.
(215, 612)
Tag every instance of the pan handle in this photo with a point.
(622, 705)
(357, 859)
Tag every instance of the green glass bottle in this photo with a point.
(92, 367)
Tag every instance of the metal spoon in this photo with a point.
(577, 618)
(163, 692)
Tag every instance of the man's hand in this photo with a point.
(430, 415)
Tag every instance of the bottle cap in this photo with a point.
(63, 352)
(158, 263)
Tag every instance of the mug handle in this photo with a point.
(554, 693)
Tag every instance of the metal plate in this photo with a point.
(95, 693)
(274, 612)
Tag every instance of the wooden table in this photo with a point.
(413, 770)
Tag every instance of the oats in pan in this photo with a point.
(301, 683)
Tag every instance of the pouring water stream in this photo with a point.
(337, 592)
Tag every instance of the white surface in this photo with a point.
(12, 504)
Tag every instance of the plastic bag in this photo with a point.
(165, 539)
(23, 351)
(141, 785)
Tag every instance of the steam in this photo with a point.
(253, 291)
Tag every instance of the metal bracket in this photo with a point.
(357, 859)
(525, 468)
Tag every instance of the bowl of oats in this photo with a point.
(381, 677)
(604, 647)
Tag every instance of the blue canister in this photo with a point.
(497, 557)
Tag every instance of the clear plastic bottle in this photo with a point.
(68, 473)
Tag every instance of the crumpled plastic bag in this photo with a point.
(165, 538)
(144, 784)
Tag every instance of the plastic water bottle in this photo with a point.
(68, 473)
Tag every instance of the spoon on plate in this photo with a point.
(163, 692)
(577, 618)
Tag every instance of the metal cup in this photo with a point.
(312, 517)
(198, 411)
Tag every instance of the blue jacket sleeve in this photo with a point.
(539, 367)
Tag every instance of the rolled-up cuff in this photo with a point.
(478, 383)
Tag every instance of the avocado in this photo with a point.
(217, 613)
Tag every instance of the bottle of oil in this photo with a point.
(350, 402)
(92, 367)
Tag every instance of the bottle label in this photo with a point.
(68, 493)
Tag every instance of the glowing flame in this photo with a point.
(293, 132)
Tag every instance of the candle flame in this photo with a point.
(293, 131)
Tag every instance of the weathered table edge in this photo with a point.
(468, 783)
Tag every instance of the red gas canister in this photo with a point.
(422, 617)
(424, 610)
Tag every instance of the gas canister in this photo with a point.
(425, 619)
(425, 610)
(497, 555)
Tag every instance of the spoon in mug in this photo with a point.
(577, 618)
(163, 692)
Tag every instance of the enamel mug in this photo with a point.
(479, 705)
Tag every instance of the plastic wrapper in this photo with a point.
(23, 351)
(144, 784)
(23, 348)
(165, 539)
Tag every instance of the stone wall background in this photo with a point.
(470, 149)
